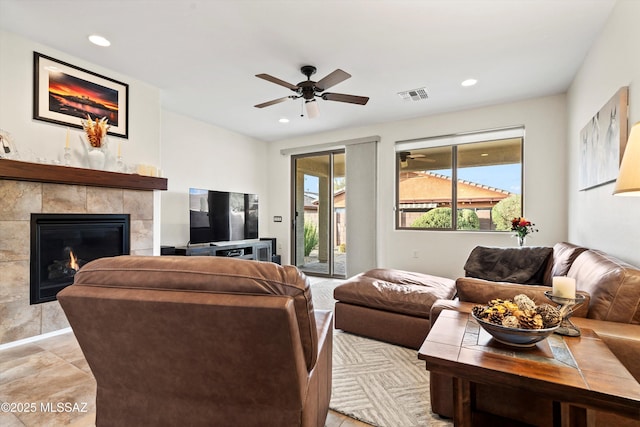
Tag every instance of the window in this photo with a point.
(478, 173)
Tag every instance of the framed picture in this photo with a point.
(602, 142)
(64, 94)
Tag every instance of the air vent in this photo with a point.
(414, 94)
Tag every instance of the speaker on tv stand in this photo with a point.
(167, 250)
(274, 257)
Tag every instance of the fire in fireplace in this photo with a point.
(62, 243)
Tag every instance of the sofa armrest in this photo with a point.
(448, 304)
(314, 413)
(324, 322)
(481, 291)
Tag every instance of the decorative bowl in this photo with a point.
(515, 337)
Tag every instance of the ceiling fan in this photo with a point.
(405, 156)
(309, 90)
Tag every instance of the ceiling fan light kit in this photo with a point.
(309, 90)
(312, 108)
(406, 156)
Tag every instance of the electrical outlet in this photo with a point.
(277, 218)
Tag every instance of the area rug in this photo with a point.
(381, 384)
(322, 293)
(378, 383)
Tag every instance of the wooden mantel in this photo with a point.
(25, 171)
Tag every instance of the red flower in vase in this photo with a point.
(522, 227)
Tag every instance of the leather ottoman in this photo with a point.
(390, 305)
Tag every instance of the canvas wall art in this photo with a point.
(602, 142)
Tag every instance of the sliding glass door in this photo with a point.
(319, 212)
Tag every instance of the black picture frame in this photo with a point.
(64, 94)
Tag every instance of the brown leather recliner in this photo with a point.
(201, 341)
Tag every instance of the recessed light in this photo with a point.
(99, 40)
(469, 82)
(284, 120)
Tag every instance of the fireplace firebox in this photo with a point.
(62, 243)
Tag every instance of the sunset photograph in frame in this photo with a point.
(64, 94)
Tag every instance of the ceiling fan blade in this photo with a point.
(422, 160)
(277, 81)
(332, 79)
(341, 97)
(272, 102)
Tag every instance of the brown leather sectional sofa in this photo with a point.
(612, 311)
(399, 307)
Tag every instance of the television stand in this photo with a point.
(257, 250)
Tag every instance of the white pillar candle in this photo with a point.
(564, 287)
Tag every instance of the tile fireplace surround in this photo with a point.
(18, 200)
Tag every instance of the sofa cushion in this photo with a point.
(395, 290)
(209, 275)
(482, 291)
(564, 254)
(614, 286)
(404, 277)
(524, 265)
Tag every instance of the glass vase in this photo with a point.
(521, 240)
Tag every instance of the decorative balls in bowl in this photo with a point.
(518, 322)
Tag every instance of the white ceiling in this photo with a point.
(203, 55)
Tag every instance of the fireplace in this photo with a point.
(62, 243)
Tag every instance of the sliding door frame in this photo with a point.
(330, 211)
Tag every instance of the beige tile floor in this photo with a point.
(48, 383)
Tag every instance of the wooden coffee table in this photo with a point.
(578, 374)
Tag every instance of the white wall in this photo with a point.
(199, 155)
(596, 218)
(188, 152)
(46, 140)
(37, 139)
(444, 253)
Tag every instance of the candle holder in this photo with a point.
(567, 306)
(67, 156)
(120, 164)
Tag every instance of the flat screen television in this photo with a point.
(222, 216)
